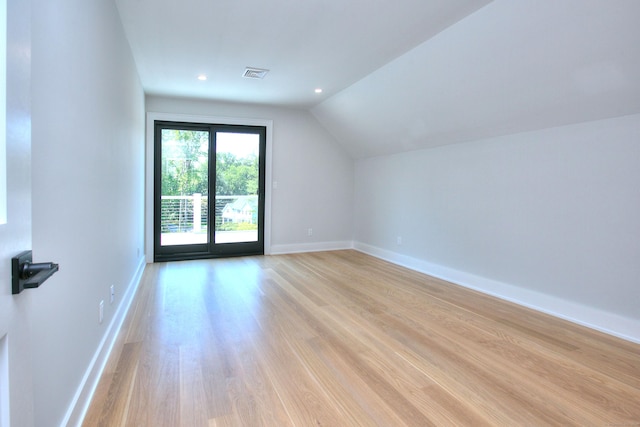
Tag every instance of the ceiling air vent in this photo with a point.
(254, 73)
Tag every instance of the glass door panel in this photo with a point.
(184, 188)
(237, 185)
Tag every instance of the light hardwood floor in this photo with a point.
(344, 339)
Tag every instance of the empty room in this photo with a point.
(297, 213)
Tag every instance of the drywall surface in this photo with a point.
(553, 212)
(312, 177)
(512, 66)
(88, 188)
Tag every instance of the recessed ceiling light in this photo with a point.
(318, 90)
(202, 77)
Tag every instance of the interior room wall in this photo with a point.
(88, 190)
(546, 218)
(312, 176)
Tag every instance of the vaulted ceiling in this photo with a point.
(401, 75)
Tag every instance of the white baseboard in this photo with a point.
(309, 247)
(603, 321)
(80, 403)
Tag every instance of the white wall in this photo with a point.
(546, 218)
(88, 189)
(314, 175)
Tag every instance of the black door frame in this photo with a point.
(210, 249)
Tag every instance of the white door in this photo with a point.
(16, 385)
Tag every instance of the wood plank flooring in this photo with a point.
(344, 339)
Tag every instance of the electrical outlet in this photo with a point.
(399, 240)
(101, 311)
(310, 232)
(113, 293)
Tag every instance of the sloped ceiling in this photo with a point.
(510, 67)
(306, 44)
(402, 75)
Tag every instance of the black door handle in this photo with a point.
(28, 275)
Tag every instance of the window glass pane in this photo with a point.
(237, 181)
(184, 187)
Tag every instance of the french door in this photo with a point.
(209, 190)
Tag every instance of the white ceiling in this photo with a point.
(513, 66)
(306, 44)
(398, 75)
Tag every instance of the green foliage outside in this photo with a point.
(236, 226)
(184, 162)
(236, 177)
(185, 167)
